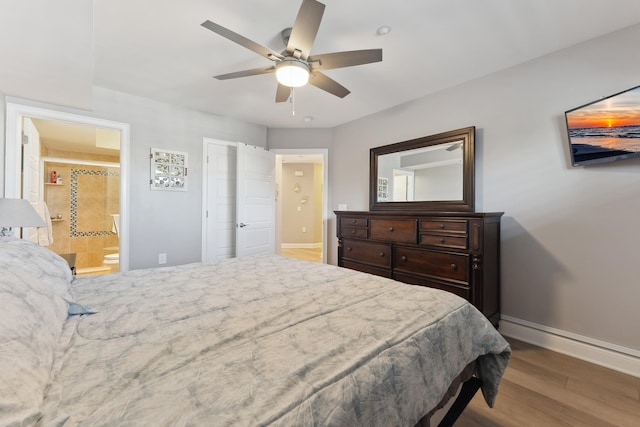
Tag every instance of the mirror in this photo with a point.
(430, 173)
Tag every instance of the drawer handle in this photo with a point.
(442, 226)
(442, 240)
(353, 221)
(381, 254)
(454, 267)
(353, 231)
(390, 228)
(349, 249)
(404, 258)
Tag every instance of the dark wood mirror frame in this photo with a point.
(467, 204)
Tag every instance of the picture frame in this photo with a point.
(169, 170)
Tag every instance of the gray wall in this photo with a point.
(300, 138)
(569, 235)
(165, 222)
(168, 222)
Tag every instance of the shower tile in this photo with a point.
(79, 245)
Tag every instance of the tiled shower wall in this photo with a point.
(85, 200)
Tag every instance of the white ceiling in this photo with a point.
(78, 138)
(55, 51)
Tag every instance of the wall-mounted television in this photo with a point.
(605, 130)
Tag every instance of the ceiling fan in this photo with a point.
(295, 66)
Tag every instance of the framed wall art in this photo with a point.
(168, 170)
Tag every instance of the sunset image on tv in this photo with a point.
(607, 129)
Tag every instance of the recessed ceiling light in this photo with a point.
(308, 119)
(383, 31)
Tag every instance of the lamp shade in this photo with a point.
(19, 213)
(292, 72)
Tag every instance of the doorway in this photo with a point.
(38, 184)
(302, 203)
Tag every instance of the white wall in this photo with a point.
(569, 235)
(164, 222)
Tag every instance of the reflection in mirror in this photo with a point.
(430, 173)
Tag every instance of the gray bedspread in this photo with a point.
(263, 340)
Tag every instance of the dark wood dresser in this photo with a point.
(455, 251)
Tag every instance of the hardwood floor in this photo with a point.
(305, 254)
(544, 388)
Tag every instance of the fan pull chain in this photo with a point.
(293, 102)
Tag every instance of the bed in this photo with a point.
(259, 340)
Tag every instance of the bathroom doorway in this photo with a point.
(81, 178)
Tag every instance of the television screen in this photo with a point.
(605, 130)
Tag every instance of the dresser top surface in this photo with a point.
(422, 214)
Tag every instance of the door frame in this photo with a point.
(17, 110)
(324, 152)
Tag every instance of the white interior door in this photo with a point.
(31, 187)
(255, 204)
(220, 214)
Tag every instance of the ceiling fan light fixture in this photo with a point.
(292, 72)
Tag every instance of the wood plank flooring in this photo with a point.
(544, 388)
(305, 254)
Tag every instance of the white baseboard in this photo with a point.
(602, 353)
(301, 245)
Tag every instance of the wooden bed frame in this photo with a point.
(470, 385)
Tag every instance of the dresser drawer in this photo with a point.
(444, 241)
(353, 232)
(394, 230)
(433, 264)
(444, 226)
(378, 254)
(460, 290)
(366, 268)
(353, 221)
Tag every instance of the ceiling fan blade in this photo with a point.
(327, 84)
(330, 61)
(282, 93)
(246, 73)
(305, 28)
(241, 40)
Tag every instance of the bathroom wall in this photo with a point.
(301, 225)
(83, 203)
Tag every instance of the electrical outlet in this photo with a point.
(162, 258)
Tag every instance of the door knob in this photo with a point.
(242, 225)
